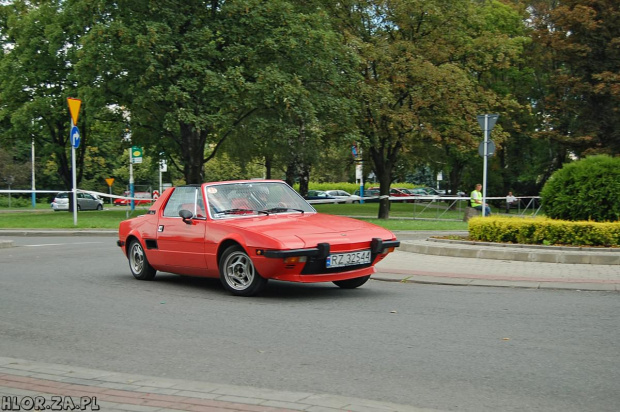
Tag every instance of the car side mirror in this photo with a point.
(186, 215)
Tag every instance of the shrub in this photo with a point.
(588, 189)
(544, 231)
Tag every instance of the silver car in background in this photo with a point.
(343, 197)
(85, 201)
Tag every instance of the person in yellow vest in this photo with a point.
(476, 200)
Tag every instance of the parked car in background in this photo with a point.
(370, 195)
(343, 197)
(247, 232)
(140, 198)
(433, 191)
(85, 201)
(397, 192)
(320, 195)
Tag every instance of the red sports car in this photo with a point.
(246, 232)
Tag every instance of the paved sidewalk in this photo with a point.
(23, 383)
(424, 260)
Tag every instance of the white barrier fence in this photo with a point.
(421, 204)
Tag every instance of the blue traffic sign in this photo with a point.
(75, 137)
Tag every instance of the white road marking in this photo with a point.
(62, 244)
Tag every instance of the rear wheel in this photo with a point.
(138, 263)
(351, 283)
(238, 274)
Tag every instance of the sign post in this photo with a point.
(74, 137)
(486, 122)
(110, 182)
(135, 156)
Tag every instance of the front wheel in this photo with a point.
(138, 263)
(351, 283)
(238, 274)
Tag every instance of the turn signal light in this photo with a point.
(295, 259)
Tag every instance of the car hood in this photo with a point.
(307, 230)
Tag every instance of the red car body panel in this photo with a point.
(141, 198)
(194, 248)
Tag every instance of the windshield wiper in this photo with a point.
(282, 209)
(236, 211)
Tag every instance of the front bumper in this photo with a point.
(321, 251)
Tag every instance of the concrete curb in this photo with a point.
(545, 254)
(517, 283)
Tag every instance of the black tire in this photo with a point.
(99, 207)
(238, 274)
(351, 283)
(139, 265)
(79, 208)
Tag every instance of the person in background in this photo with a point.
(510, 200)
(476, 201)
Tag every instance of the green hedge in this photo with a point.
(544, 231)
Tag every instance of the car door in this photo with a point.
(88, 202)
(180, 244)
(82, 201)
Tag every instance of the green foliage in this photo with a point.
(287, 84)
(576, 57)
(16, 201)
(544, 231)
(588, 189)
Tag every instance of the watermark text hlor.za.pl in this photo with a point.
(50, 403)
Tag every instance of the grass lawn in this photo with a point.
(401, 217)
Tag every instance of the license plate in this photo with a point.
(348, 259)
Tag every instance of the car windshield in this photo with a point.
(251, 198)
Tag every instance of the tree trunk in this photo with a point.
(384, 160)
(267, 167)
(384, 192)
(192, 150)
(291, 172)
(304, 179)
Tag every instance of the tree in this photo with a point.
(576, 44)
(41, 43)
(420, 63)
(35, 80)
(192, 73)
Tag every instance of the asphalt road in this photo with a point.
(73, 301)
